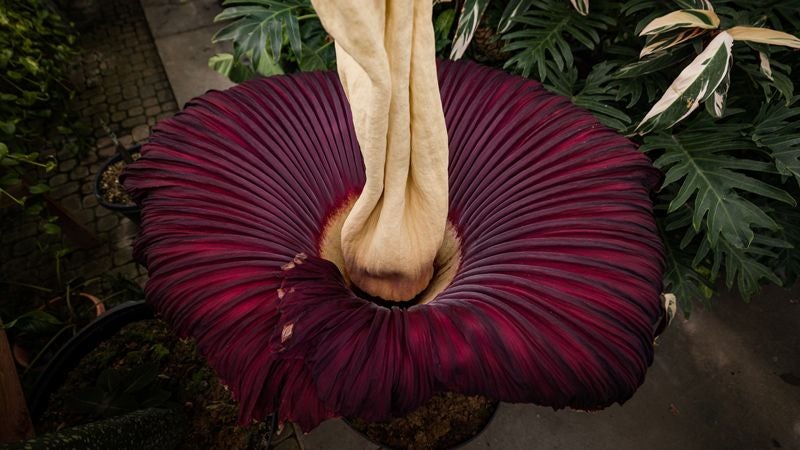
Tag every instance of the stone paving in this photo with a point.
(119, 81)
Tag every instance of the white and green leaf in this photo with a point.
(765, 66)
(696, 83)
(582, 6)
(468, 22)
(685, 18)
(695, 4)
(715, 105)
(764, 36)
(513, 9)
(662, 42)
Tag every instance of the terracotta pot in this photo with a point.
(21, 353)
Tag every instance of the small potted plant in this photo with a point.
(109, 191)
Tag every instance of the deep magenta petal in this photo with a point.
(554, 301)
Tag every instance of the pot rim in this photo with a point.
(497, 405)
(132, 207)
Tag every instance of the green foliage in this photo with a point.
(119, 391)
(468, 21)
(700, 163)
(596, 93)
(727, 208)
(270, 38)
(551, 30)
(36, 47)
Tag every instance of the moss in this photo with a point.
(149, 428)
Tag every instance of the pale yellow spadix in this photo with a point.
(385, 53)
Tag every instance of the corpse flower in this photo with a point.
(549, 289)
(544, 285)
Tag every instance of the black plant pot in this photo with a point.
(87, 339)
(131, 211)
(457, 446)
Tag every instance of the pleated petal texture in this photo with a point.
(554, 302)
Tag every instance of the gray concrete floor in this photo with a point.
(182, 30)
(727, 378)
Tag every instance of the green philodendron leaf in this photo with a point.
(260, 26)
(221, 63)
(35, 322)
(442, 26)
(237, 12)
(3, 150)
(700, 162)
(787, 264)
(596, 94)
(746, 267)
(696, 83)
(683, 279)
(547, 33)
(293, 32)
(777, 129)
(310, 60)
(274, 32)
(266, 66)
(468, 21)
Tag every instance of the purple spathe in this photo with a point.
(554, 300)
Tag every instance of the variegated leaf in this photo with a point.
(715, 104)
(686, 18)
(513, 9)
(696, 83)
(663, 42)
(582, 6)
(764, 36)
(468, 22)
(764, 65)
(670, 303)
(695, 4)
